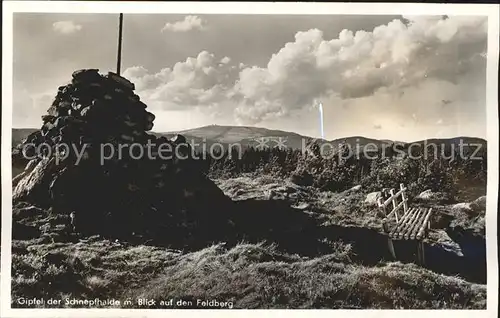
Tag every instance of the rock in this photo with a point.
(372, 198)
(301, 206)
(46, 227)
(425, 195)
(356, 188)
(17, 177)
(462, 207)
(121, 80)
(472, 208)
(48, 118)
(479, 204)
(91, 104)
(442, 238)
(34, 186)
(428, 195)
(83, 74)
(31, 165)
(150, 117)
(270, 194)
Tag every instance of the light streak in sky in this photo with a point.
(321, 121)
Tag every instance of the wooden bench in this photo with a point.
(403, 222)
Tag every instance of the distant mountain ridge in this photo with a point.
(251, 136)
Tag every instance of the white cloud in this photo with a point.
(405, 69)
(391, 57)
(190, 22)
(200, 82)
(66, 27)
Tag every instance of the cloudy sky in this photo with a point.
(394, 77)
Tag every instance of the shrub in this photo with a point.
(339, 172)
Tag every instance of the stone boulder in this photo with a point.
(475, 207)
(426, 195)
(372, 198)
(430, 196)
(356, 188)
(479, 205)
(462, 207)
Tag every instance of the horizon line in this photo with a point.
(304, 136)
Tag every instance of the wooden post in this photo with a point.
(417, 247)
(391, 248)
(120, 31)
(422, 251)
(394, 204)
(382, 206)
(403, 197)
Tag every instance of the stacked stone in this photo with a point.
(148, 194)
(95, 109)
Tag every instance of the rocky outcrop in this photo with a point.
(428, 196)
(479, 205)
(462, 207)
(475, 207)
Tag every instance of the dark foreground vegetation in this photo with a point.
(292, 245)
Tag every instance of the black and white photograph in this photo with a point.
(212, 158)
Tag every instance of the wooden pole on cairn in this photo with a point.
(120, 32)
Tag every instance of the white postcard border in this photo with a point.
(492, 11)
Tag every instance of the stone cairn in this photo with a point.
(95, 109)
(124, 194)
